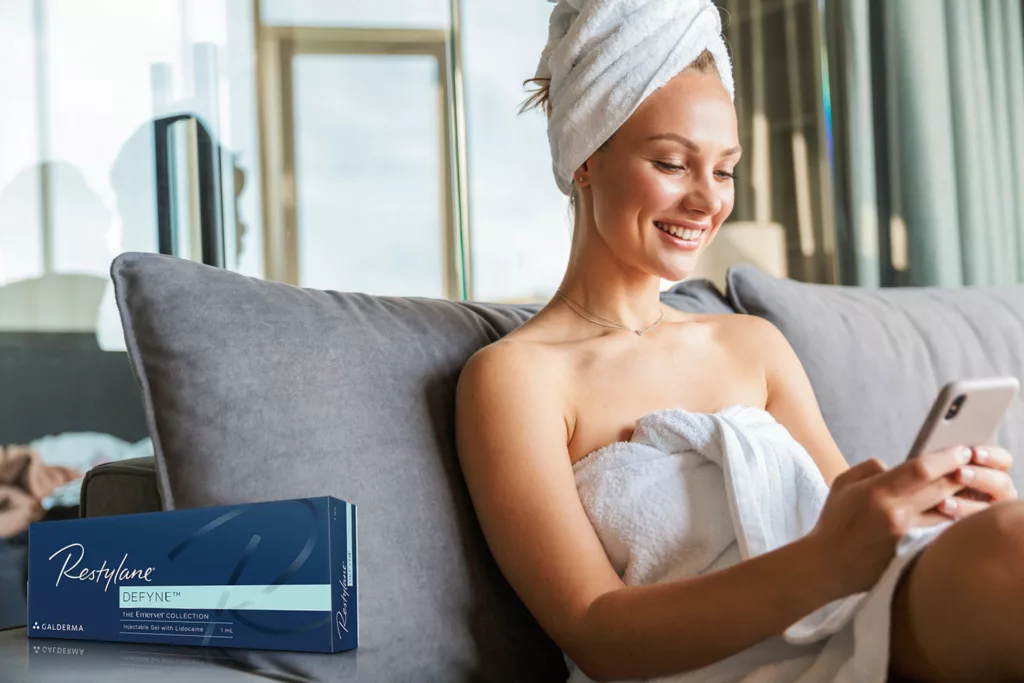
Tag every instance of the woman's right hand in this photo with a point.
(870, 508)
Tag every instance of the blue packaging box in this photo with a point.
(281, 575)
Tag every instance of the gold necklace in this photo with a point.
(598, 320)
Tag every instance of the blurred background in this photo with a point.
(376, 147)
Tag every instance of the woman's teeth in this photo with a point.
(688, 234)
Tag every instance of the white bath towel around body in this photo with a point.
(691, 493)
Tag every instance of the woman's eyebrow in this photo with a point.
(691, 145)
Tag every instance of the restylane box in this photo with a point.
(280, 575)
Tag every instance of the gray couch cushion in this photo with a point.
(877, 358)
(260, 391)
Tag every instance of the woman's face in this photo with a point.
(663, 184)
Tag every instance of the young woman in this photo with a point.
(644, 139)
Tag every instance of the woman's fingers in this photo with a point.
(993, 482)
(943, 485)
(925, 487)
(859, 472)
(994, 457)
(933, 517)
(920, 472)
(939, 495)
(959, 508)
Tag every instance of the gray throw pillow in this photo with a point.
(259, 391)
(877, 357)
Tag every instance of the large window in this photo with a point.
(359, 182)
(520, 225)
(371, 216)
(78, 170)
(83, 87)
(357, 13)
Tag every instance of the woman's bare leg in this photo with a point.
(958, 615)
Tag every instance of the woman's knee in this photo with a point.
(954, 615)
(983, 559)
(988, 546)
(992, 545)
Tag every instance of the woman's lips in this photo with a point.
(687, 238)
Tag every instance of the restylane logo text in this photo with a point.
(74, 555)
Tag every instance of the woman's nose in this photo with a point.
(701, 197)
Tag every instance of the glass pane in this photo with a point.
(21, 240)
(80, 86)
(352, 13)
(369, 173)
(178, 56)
(21, 254)
(520, 223)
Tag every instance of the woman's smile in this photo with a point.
(687, 237)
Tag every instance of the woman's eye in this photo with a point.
(664, 165)
(726, 175)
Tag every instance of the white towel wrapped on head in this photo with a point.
(692, 493)
(605, 57)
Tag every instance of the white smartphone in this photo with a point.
(966, 413)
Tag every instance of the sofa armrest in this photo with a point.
(120, 488)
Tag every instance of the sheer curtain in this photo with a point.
(929, 140)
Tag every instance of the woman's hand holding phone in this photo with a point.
(965, 414)
(986, 480)
(946, 476)
(870, 508)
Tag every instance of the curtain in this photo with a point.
(929, 140)
(784, 184)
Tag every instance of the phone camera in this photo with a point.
(954, 407)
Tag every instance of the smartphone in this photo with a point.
(966, 412)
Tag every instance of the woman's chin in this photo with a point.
(678, 271)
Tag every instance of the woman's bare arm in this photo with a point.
(791, 399)
(511, 436)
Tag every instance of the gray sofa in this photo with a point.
(257, 391)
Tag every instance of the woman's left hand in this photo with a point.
(987, 480)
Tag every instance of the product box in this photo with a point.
(281, 575)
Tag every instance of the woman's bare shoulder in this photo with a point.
(749, 345)
(519, 359)
(744, 333)
(522, 376)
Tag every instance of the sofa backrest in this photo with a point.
(877, 357)
(258, 391)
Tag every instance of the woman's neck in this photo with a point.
(606, 288)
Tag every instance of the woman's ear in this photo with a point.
(582, 176)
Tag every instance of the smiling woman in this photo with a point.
(688, 512)
(645, 161)
(680, 184)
